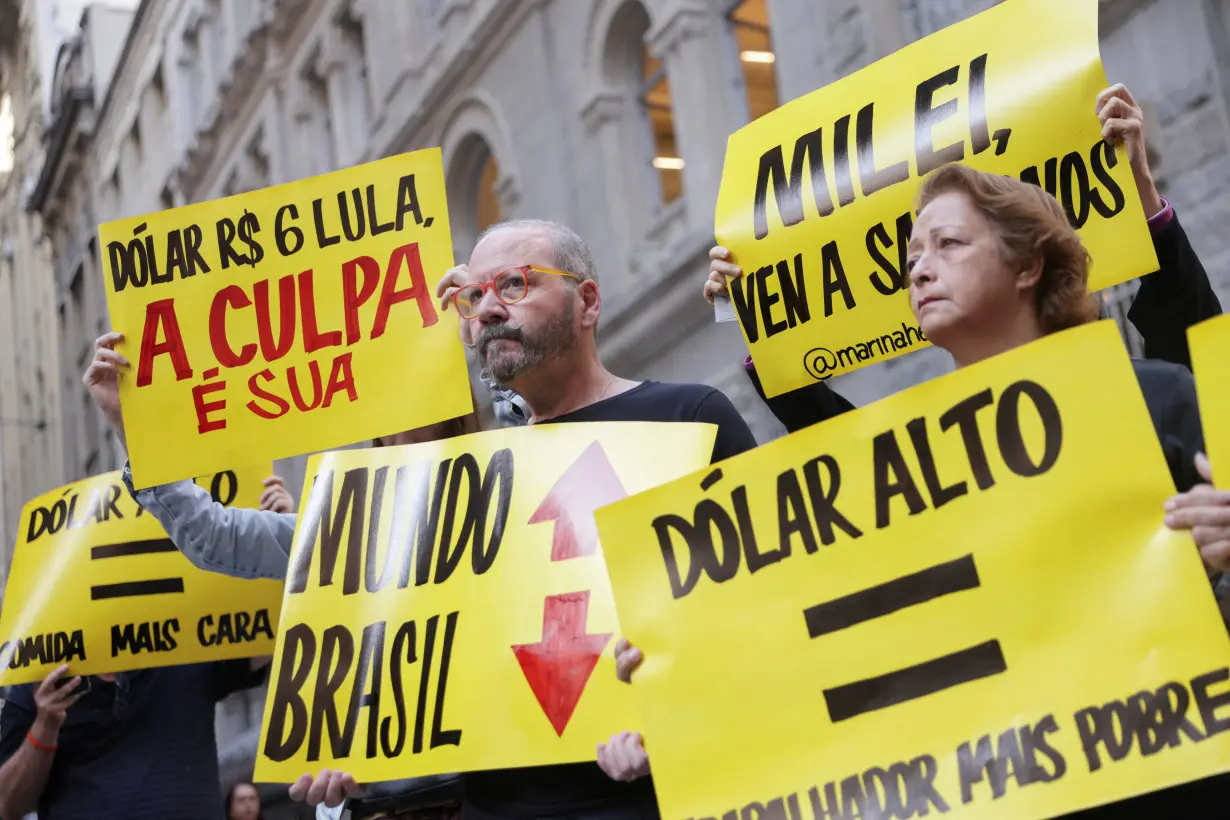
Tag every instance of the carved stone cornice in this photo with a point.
(601, 108)
(233, 93)
(450, 8)
(285, 16)
(678, 23)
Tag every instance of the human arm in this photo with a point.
(802, 407)
(237, 542)
(29, 732)
(1173, 298)
(1178, 294)
(624, 758)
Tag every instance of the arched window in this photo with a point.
(749, 21)
(6, 134)
(630, 113)
(488, 200)
(656, 99)
(474, 201)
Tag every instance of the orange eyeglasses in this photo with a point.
(509, 286)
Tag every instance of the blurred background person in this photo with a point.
(243, 802)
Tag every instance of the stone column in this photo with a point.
(348, 98)
(798, 34)
(626, 200)
(692, 41)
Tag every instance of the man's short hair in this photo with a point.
(569, 251)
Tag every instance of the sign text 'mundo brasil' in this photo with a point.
(447, 605)
(936, 602)
(302, 308)
(96, 584)
(817, 197)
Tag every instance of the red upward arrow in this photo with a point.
(558, 667)
(589, 483)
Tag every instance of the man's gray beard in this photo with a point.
(536, 349)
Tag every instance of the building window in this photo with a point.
(749, 21)
(318, 121)
(488, 199)
(474, 201)
(656, 98)
(6, 134)
(351, 28)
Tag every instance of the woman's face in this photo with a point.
(960, 285)
(245, 803)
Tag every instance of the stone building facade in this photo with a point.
(31, 450)
(610, 115)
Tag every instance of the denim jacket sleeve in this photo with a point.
(231, 541)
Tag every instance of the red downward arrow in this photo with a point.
(589, 483)
(558, 667)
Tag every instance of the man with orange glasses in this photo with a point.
(530, 303)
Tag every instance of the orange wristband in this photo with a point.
(41, 747)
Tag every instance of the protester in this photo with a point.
(1169, 301)
(243, 802)
(530, 304)
(233, 541)
(533, 327)
(135, 744)
(993, 265)
(247, 543)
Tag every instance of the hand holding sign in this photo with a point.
(329, 787)
(721, 268)
(101, 379)
(624, 757)
(52, 699)
(276, 497)
(1205, 511)
(1123, 123)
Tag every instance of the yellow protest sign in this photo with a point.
(817, 197)
(96, 583)
(447, 607)
(285, 320)
(1209, 342)
(937, 603)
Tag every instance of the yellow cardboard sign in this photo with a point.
(447, 607)
(959, 600)
(818, 196)
(96, 583)
(1209, 342)
(285, 320)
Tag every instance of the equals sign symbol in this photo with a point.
(132, 589)
(964, 666)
